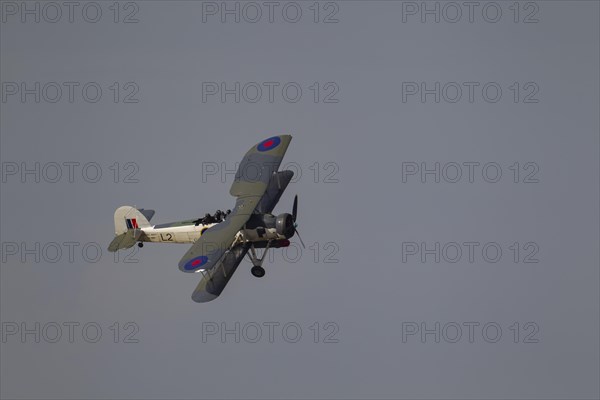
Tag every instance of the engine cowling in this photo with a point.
(284, 224)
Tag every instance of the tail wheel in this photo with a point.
(141, 244)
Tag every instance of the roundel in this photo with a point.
(195, 263)
(269, 144)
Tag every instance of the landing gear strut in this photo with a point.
(257, 269)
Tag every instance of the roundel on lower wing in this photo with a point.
(269, 144)
(195, 263)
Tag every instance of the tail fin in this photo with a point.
(129, 218)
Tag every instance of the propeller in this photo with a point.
(295, 208)
(300, 237)
(294, 215)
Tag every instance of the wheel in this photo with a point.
(140, 244)
(257, 271)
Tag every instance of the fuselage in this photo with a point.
(189, 232)
(174, 233)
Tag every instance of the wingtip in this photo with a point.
(203, 297)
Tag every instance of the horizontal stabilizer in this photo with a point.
(147, 213)
(125, 240)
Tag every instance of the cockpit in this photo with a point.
(217, 217)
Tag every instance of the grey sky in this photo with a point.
(356, 205)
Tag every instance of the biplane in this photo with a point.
(221, 241)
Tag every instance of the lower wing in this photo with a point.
(215, 280)
(214, 244)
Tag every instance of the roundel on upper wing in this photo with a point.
(195, 263)
(269, 144)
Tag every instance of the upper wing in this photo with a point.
(275, 189)
(213, 282)
(258, 165)
(216, 241)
